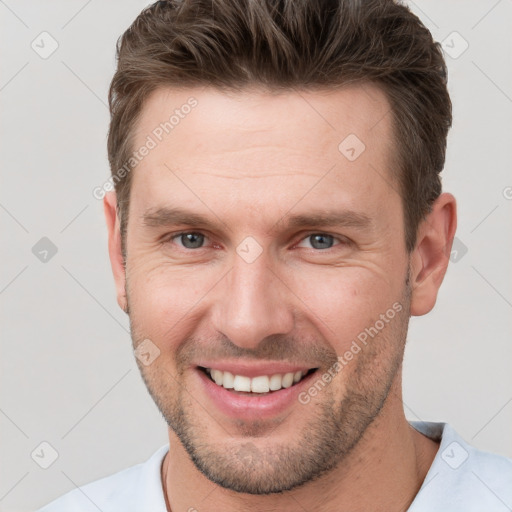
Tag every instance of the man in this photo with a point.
(277, 218)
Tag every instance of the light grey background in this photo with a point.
(68, 376)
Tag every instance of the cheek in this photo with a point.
(344, 302)
(163, 300)
(168, 302)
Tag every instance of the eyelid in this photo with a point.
(341, 239)
(303, 236)
(171, 236)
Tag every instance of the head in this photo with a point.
(290, 214)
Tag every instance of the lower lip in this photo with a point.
(251, 407)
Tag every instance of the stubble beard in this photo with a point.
(254, 464)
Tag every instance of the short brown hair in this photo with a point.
(285, 45)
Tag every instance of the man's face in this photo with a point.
(262, 286)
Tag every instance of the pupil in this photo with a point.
(321, 241)
(192, 240)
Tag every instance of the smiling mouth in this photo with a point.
(260, 385)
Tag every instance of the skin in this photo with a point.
(247, 160)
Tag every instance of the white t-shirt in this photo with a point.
(460, 479)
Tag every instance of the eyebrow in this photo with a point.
(167, 217)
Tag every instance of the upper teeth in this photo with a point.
(260, 384)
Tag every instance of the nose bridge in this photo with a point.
(252, 302)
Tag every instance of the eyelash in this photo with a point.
(341, 240)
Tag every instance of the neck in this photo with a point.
(384, 471)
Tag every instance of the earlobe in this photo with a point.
(115, 248)
(430, 257)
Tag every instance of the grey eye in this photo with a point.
(192, 240)
(321, 241)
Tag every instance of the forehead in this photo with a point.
(231, 117)
(253, 145)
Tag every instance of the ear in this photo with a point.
(430, 257)
(114, 247)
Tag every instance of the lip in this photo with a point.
(252, 407)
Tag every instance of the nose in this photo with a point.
(252, 304)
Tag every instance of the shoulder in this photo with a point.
(491, 474)
(462, 477)
(133, 488)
